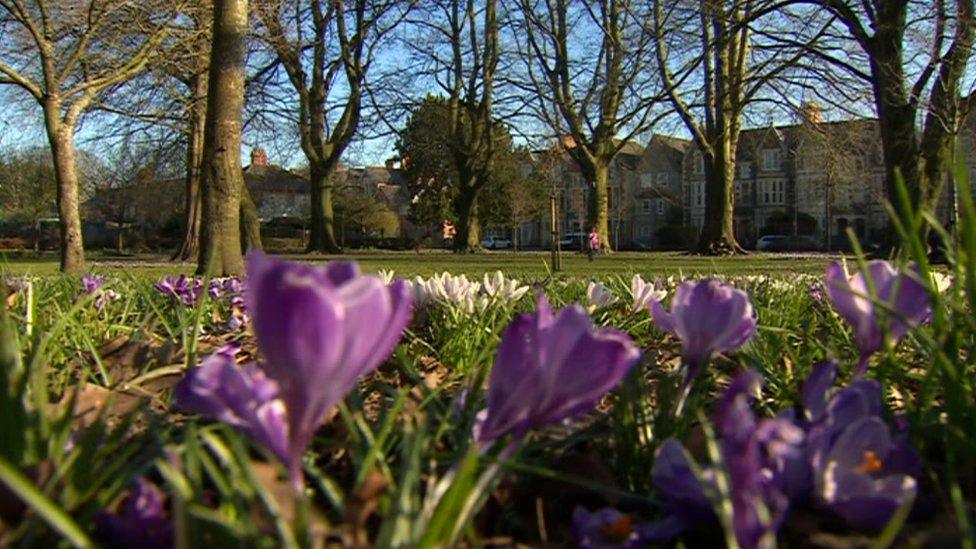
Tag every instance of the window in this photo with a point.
(772, 192)
(662, 206)
(646, 205)
(771, 160)
(647, 180)
(698, 163)
(745, 170)
(699, 193)
(662, 179)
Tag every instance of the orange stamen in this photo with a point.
(619, 529)
(871, 463)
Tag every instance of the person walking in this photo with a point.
(593, 243)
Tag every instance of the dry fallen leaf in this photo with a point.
(360, 506)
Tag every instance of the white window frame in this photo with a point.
(646, 205)
(661, 206)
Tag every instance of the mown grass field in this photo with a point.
(531, 265)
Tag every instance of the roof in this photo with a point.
(273, 179)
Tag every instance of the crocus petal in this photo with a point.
(850, 296)
(708, 317)
(320, 329)
(873, 503)
(140, 522)
(662, 318)
(240, 397)
(852, 491)
(551, 367)
(674, 477)
(815, 389)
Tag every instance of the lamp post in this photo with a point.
(554, 222)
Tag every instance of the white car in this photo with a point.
(766, 242)
(495, 243)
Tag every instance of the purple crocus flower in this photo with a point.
(90, 283)
(549, 368)
(708, 317)
(241, 397)
(105, 297)
(816, 291)
(320, 330)
(758, 507)
(140, 521)
(906, 300)
(760, 458)
(861, 472)
(856, 484)
(607, 528)
(184, 289)
(215, 288)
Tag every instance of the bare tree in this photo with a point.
(712, 70)
(456, 45)
(223, 178)
(191, 70)
(588, 69)
(916, 54)
(65, 55)
(326, 48)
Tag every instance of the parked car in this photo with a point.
(765, 243)
(572, 241)
(797, 243)
(496, 243)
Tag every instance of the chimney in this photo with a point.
(811, 112)
(568, 142)
(259, 157)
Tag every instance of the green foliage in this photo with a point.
(397, 466)
(431, 166)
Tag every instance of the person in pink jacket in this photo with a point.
(593, 243)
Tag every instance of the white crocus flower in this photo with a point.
(644, 293)
(941, 281)
(386, 275)
(498, 287)
(599, 296)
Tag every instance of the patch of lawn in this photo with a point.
(531, 265)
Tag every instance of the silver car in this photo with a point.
(495, 243)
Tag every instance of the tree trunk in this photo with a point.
(598, 173)
(468, 236)
(942, 120)
(718, 232)
(61, 138)
(250, 222)
(896, 110)
(194, 160)
(322, 227)
(223, 178)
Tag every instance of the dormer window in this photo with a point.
(771, 160)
